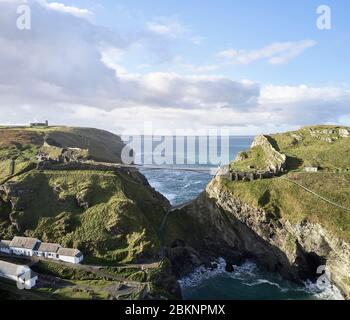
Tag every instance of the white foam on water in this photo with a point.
(155, 184)
(243, 272)
(191, 184)
(250, 275)
(265, 281)
(328, 291)
(202, 273)
(170, 196)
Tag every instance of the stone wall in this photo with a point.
(250, 176)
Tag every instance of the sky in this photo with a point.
(249, 66)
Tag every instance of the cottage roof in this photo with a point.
(49, 247)
(8, 268)
(16, 270)
(69, 252)
(25, 243)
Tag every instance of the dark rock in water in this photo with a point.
(214, 265)
(229, 266)
(237, 258)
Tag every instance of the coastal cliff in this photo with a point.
(296, 224)
(63, 185)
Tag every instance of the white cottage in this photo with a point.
(311, 169)
(56, 252)
(48, 250)
(24, 246)
(30, 247)
(21, 274)
(70, 255)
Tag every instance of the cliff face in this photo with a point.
(296, 250)
(230, 228)
(281, 225)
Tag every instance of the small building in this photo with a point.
(48, 250)
(21, 274)
(311, 169)
(40, 124)
(29, 247)
(70, 255)
(24, 246)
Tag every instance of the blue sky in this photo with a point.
(252, 66)
(225, 24)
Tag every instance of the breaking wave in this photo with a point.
(249, 275)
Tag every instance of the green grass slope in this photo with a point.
(327, 147)
(323, 146)
(115, 227)
(111, 216)
(21, 145)
(253, 159)
(287, 201)
(101, 145)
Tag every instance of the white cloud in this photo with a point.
(160, 89)
(172, 29)
(302, 93)
(197, 40)
(275, 53)
(181, 64)
(166, 28)
(75, 11)
(80, 78)
(302, 105)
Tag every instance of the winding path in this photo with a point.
(317, 195)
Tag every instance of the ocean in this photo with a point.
(247, 282)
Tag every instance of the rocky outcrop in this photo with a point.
(58, 154)
(14, 196)
(330, 134)
(344, 133)
(276, 161)
(234, 230)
